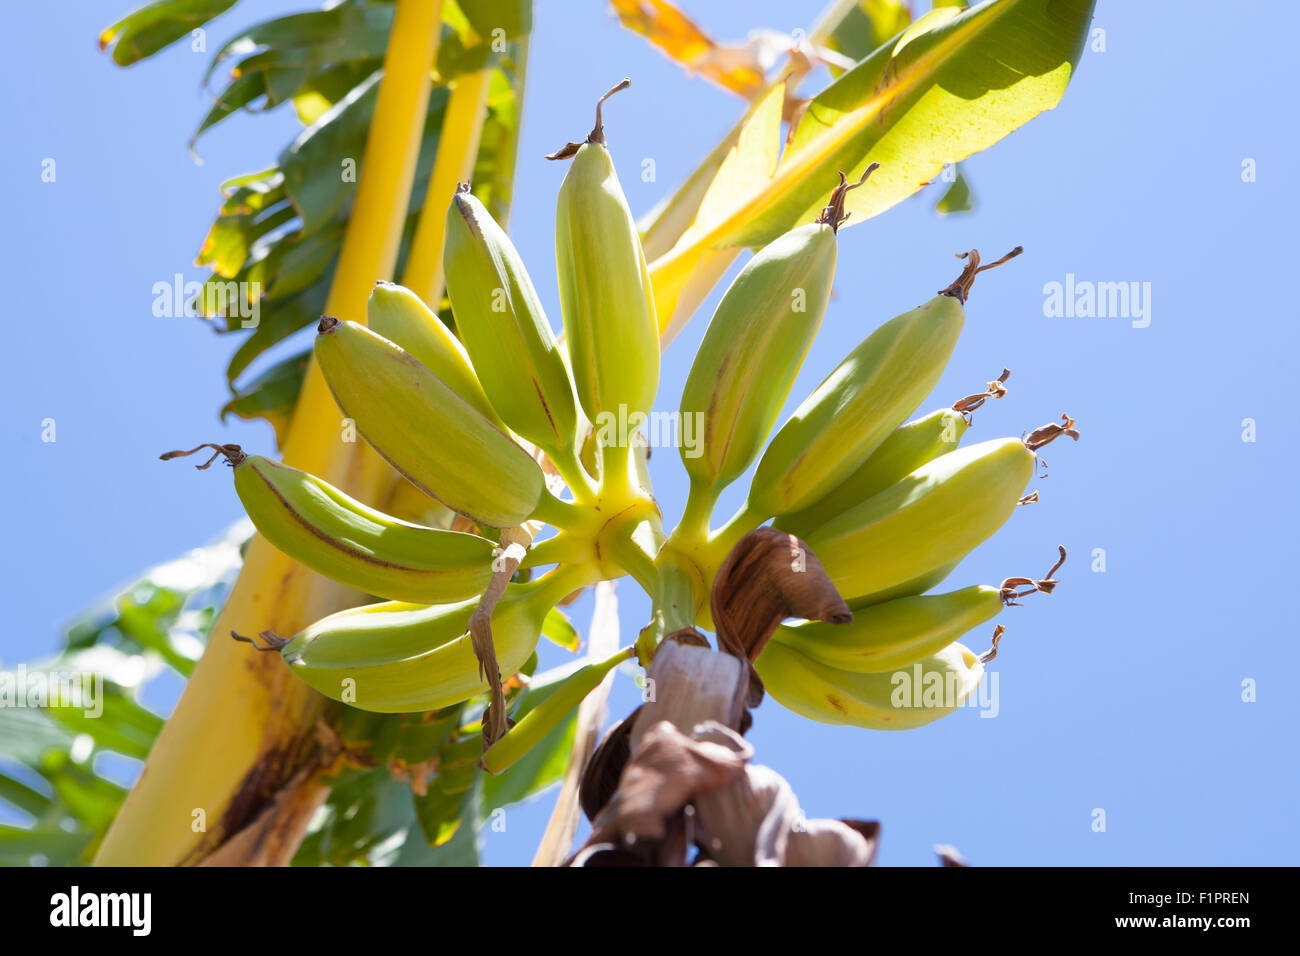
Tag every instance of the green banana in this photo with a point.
(543, 717)
(606, 299)
(929, 520)
(397, 657)
(441, 443)
(859, 404)
(501, 321)
(752, 351)
(901, 699)
(897, 633)
(401, 316)
(334, 534)
(907, 448)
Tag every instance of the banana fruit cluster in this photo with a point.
(890, 507)
(489, 419)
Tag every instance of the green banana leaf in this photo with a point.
(951, 84)
(58, 796)
(276, 236)
(957, 197)
(156, 26)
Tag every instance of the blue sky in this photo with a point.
(1122, 691)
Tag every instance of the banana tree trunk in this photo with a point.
(244, 725)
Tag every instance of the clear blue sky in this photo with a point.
(1122, 691)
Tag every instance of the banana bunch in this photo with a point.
(396, 657)
(897, 664)
(888, 506)
(511, 426)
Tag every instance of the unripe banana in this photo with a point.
(900, 699)
(610, 327)
(859, 404)
(752, 351)
(543, 717)
(401, 316)
(334, 534)
(929, 520)
(894, 634)
(398, 658)
(505, 331)
(909, 447)
(441, 443)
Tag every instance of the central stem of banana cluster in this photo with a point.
(693, 554)
(597, 528)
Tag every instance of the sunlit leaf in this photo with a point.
(557, 629)
(145, 31)
(951, 84)
(735, 67)
(958, 196)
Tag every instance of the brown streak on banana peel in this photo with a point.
(769, 576)
(514, 544)
(833, 213)
(597, 134)
(960, 288)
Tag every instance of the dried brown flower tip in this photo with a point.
(833, 213)
(961, 286)
(597, 134)
(1050, 432)
(234, 454)
(994, 389)
(769, 576)
(992, 652)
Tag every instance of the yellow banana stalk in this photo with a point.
(213, 766)
(462, 128)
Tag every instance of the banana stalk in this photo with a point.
(242, 727)
(463, 126)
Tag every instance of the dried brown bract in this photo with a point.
(769, 576)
